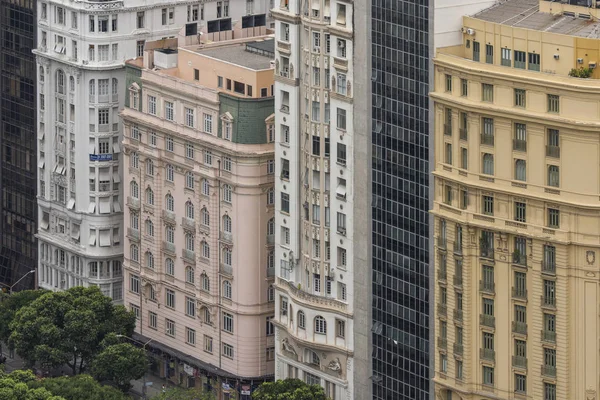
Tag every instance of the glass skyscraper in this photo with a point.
(400, 185)
(18, 165)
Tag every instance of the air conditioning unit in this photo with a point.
(556, 56)
(580, 61)
(470, 31)
(341, 43)
(592, 64)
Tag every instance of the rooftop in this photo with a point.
(526, 14)
(255, 55)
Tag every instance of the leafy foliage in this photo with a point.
(289, 389)
(581, 72)
(10, 304)
(14, 386)
(184, 394)
(67, 327)
(80, 387)
(120, 363)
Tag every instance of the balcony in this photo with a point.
(463, 133)
(549, 302)
(519, 258)
(168, 216)
(442, 274)
(442, 309)
(487, 354)
(519, 145)
(549, 371)
(458, 248)
(188, 224)
(458, 349)
(487, 139)
(549, 268)
(270, 239)
(519, 293)
(486, 251)
(519, 327)
(448, 129)
(299, 295)
(458, 315)
(133, 203)
(487, 320)
(270, 272)
(133, 233)
(553, 151)
(519, 362)
(226, 269)
(188, 255)
(548, 336)
(226, 237)
(441, 242)
(169, 247)
(487, 287)
(458, 280)
(442, 343)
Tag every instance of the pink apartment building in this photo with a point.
(198, 179)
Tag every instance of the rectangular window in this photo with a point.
(534, 62)
(520, 288)
(208, 344)
(520, 98)
(170, 327)
(316, 111)
(489, 54)
(549, 391)
(227, 350)
(549, 295)
(341, 118)
(449, 83)
(341, 223)
(208, 123)
(190, 307)
(520, 383)
(170, 298)
(228, 322)
(488, 205)
(169, 144)
(553, 103)
(464, 158)
(190, 336)
(553, 218)
(464, 87)
(448, 153)
(140, 20)
(285, 203)
(520, 211)
(152, 105)
(488, 375)
(169, 111)
(476, 51)
(152, 320)
(487, 274)
(520, 59)
(553, 176)
(553, 145)
(505, 57)
(487, 92)
(189, 117)
(341, 154)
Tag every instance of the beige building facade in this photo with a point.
(516, 208)
(199, 258)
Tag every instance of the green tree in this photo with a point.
(120, 363)
(289, 389)
(14, 386)
(67, 327)
(80, 387)
(184, 394)
(10, 304)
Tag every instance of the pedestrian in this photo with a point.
(164, 388)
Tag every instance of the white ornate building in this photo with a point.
(314, 238)
(81, 50)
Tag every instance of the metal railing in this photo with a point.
(487, 354)
(487, 139)
(489, 287)
(458, 348)
(519, 293)
(548, 370)
(552, 151)
(519, 144)
(548, 336)
(519, 361)
(487, 320)
(519, 327)
(549, 268)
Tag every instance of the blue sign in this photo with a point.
(101, 157)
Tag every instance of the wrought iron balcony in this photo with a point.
(487, 320)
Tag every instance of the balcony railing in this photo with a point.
(458, 349)
(458, 315)
(519, 145)
(458, 249)
(487, 354)
(549, 267)
(448, 129)
(442, 343)
(463, 133)
(189, 255)
(487, 320)
(133, 202)
(226, 269)
(270, 239)
(133, 233)
(226, 236)
(442, 309)
(488, 287)
(519, 293)
(270, 271)
(519, 259)
(441, 242)
(519, 362)
(188, 223)
(169, 247)
(553, 151)
(548, 336)
(549, 371)
(168, 216)
(519, 327)
(548, 302)
(442, 274)
(487, 139)
(458, 280)
(486, 251)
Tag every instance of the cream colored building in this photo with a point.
(517, 207)
(199, 257)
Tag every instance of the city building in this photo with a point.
(516, 167)
(199, 214)
(81, 53)
(18, 140)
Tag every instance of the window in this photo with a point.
(103, 116)
(505, 56)
(189, 180)
(270, 294)
(464, 87)
(520, 383)
(341, 118)
(521, 170)
(285, 203)
(227, 193)
(520, 59)
(341, 84)
(464, 158)
(520, 140)
(488, 375)
(208, 157)
(169, 111)
(534, 62)
(134, 283)
(207, 123)
(140, 48)
(448, 83)
(227, 224)
(550, 358)
(270, 167)
(149, 196)
(149, 167)
(114, 23)
(169, 267)
(134, 189)
(284, 34)
(520, 211)
(227, 290)
(340, 328)
(227, 350)
(553, 176)
(487, 92)
(170, 234)
(169, 144)
(553, 218)
(152, 105)
(520, 97)
(476, 51)
(190, 307)
(152, 320)
(170, 327)
(270, 327)
(301, 320)
(149, 228)
(189, 273)
(140, 20)
(316, 111)
(103, 52)
(549, 324)
(488, 164)
(341, 153)
(552, 148)
(448, 153)
(170, 202)
(549, 391)
(553, 103)
(205, 187)
(227, 164)
(205, 249)
(169, 173)
(189, 151)
(190, 336)
(205, 282)
(189, 117)
(227, 322)
(341, 223)
(320, 325)
(489, 54)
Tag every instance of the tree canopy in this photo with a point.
(10, 304)
(289, 389)
(67, 327)
(14, 386)
(184, 394)
(120, 363)
(80, 387)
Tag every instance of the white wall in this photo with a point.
(448, 19)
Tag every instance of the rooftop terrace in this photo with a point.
(255, 55)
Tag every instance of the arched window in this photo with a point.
(313, 358)
(135, 221)
(134, 160)
(226, 223)
(60, 81)
(169, 267)
(301, 320)
(169, 173)
(134, 189)
(92, 90)
(189, 275)
(227, 290)
(227, 257)
(204, 217)
(205, 282)
(170, 202)
(227, 193)
(150, 167)
(189, 180)
(189, 210)
(271, 197)
(170, 234)
(320, 325)
(521, 170)
(149, 228)
(271, 226)
(71, 84)
(149, 260)
(150, 196)
(135, 253)
(205, 249)
(189, 242)
(488, 164)
(205, 187)
(42, 74)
